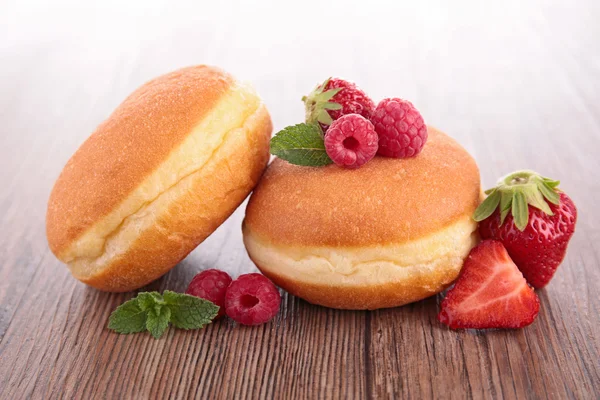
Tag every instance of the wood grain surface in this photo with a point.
(517, 83)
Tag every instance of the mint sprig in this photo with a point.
(153, 312)
(301, 144)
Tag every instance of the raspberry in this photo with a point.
(352, 99)
(401, 129)
(351, 141)
(252, 299)
(211, 285)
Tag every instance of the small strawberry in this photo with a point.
(489, 293)
(534, 221)
(334, 98)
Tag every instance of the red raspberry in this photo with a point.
(401, 129)
(351, 141)
(252, 299)
(211, 285)
(351, 98)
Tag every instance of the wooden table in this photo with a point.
(517, 84)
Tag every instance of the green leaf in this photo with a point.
(189, 312)
(553, 184)
(317, 103)
(324, 118)
(535, 198)
(505, 205)
(549, 193)
(332, 106)
(328, 95)
(300, 144)
(149, 300)
(520, 210)
(158, 320)
(487, 207)
(128, 318)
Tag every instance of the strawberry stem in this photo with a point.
(514, 193)
(318, 102)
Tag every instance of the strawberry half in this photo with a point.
(489, 293)
(533, 220)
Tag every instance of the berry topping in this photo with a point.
(351, 141)
(533, 220)
(489, 293)
(252, 299)
(211, 285)
(334, 98)
(401, 129)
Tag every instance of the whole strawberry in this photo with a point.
(334, 98)
(534, 221)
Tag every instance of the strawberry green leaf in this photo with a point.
(549, 193)
(520, 189)
(520, 210)
(324, 118)
(505, 206)
(300, 144)
(535, 198)
(487, 207)
(553, 184)
(332, 106)
(328, 95)
(317, 103)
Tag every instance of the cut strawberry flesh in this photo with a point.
(490, 292)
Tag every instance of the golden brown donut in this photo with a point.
(171, 163)
(389, 233)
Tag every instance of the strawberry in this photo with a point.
(335, 98)
(489, 293)
(534, 221)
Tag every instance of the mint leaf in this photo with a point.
(149, 300)
(158, 320)
(301, 144)
(128, 318)
(189, 312)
